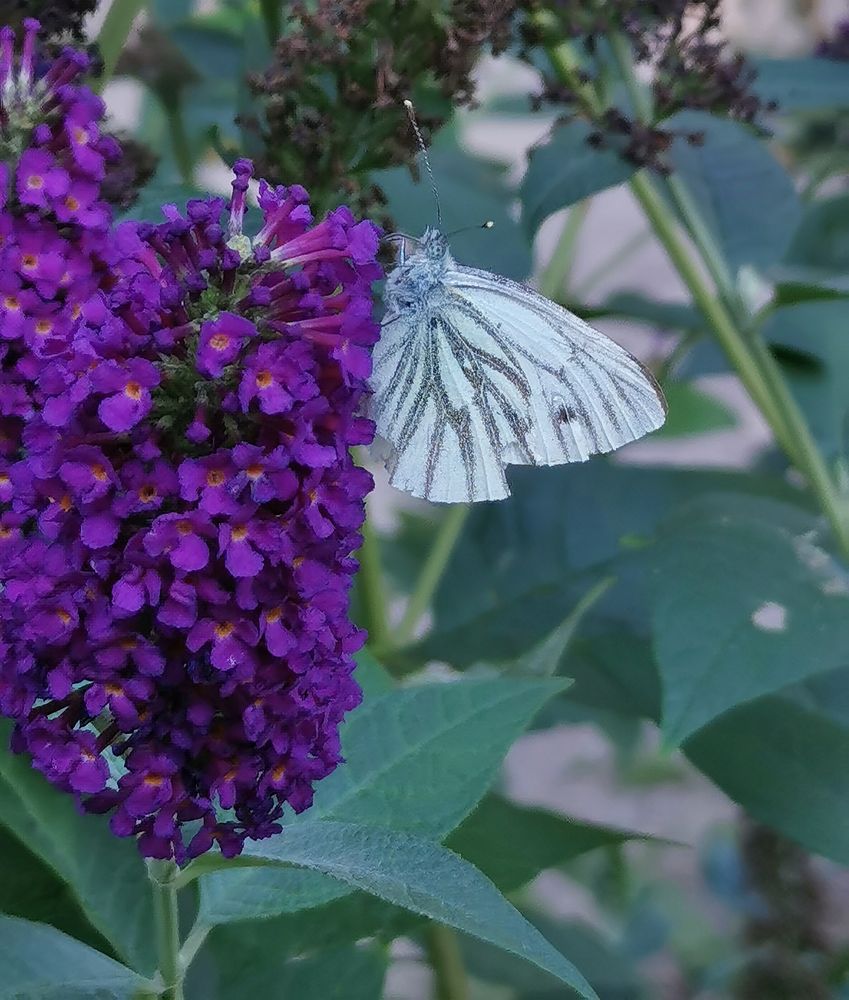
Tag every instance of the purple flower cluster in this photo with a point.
(179, 504)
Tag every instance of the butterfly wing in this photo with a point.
(488, 373)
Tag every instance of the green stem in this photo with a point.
(810, 459)
(711, 252)
(714, 311)
(750, 356)
(431, 572)
(162, 875)
(371, 587)
(193, 943)
(271, 11)
(180, 142)
(113, 35)
(446, 960)
(555, 277)
(640, 95)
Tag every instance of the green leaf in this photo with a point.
(565, 170)
(512, 844)
(471, 191)
(543, 659)
(148, 207)
(348, 973)
(607, 969)
(613, 670)
(795, 285)
(806, 84)
(418, 758)
(520, 566)
(692, 411)
(373, 678)
(661, 315)
(786, 765)
(113, 33)
(822, 240)
(743, 606)
(444, 741)
(747, 198)
(212, 45)
(419, 876)
(32, 890)
(332, 925)
(40, 963)
(818, 329)
(170, 12)
(105, 874)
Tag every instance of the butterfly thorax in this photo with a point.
(410, 286)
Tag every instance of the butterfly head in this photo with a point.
(410, 284)
(434, 245)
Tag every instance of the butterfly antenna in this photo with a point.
(411, 114)
(465, 229)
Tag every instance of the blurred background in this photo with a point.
(676, 913)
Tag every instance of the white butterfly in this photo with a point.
(474, 372)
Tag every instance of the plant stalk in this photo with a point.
(714, 311)
(162, 875)
(554, 280)
(432, 571)
(755, 366)
(113, 35)
(446, 961)
(180, 142)
(371, 587)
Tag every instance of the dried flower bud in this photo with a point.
(376, 53)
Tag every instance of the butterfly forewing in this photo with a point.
(485, 373)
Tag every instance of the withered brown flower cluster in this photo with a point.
(58, 20)
(690, 68)
(332, 99)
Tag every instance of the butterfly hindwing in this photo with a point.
(485, 373)
(596, 396)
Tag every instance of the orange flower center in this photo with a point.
(147, 493)
(35, 182)
(72, 203)
(184, 527)
(4, 479)
(11, 303)
(133, 390)
(219, 342)
(254, 471)
(278, 772)
(99, 473)
(63, 616)
(264, 379)
(239, 533)
(215, 477)
(5, 532)
(273, 615)
(29, 261)
(223, 630)
(65, 503)
(43, 327)
(153, 780)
